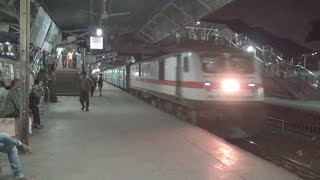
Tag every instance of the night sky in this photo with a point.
(284, 18)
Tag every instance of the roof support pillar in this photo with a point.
(23, 129)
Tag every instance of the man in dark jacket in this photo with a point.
(100, 84)
(34, 101)
(94, 84)
(85, 85)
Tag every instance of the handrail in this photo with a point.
(36, 65)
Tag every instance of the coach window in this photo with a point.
(186, 64)
(161, 69)
(139, 70)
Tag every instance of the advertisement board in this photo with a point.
(51, 37)
(40, 28)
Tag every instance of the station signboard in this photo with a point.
(96, 42)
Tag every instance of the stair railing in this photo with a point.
(36, 65)
(272, 64)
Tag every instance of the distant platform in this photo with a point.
(297, 104)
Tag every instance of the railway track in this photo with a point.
(302, 170)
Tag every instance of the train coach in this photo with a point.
(9, 70)
(118, 76)
(225, 85)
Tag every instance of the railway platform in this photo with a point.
(123, 137)
(306, 105)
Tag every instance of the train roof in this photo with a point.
(213, 50)
(9, 61)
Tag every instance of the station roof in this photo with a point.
(289, 20)
(69, 14)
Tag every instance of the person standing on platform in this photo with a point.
(85, 84)
(34, 101)
(69, 59)
(74, 60)
(94, 84)
(64, 58)
(100, 84)
(10, 146)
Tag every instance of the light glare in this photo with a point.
(250, 49)
(230, 86)
(99, 32)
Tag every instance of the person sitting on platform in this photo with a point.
(12, 108)
(74, 59)
(1, 77)
(3, 97)
(10, 146)
(85, 84)
(34, 101)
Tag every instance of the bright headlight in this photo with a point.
(230, 85)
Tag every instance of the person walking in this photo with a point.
(94, 84)
(100, 84)
(10, 146)
(84, 84)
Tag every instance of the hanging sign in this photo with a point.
(96, 42)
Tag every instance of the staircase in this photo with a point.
(67, 82)
(279, 88)
(282, 86)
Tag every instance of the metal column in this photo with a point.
(24, 70)
(83, 61)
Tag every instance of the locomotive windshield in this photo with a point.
(231, 64)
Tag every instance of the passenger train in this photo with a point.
(226, 85)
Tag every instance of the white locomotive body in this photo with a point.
(200, 77)
(228, 85)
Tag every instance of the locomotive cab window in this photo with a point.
(186, 65)
(232, 64)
